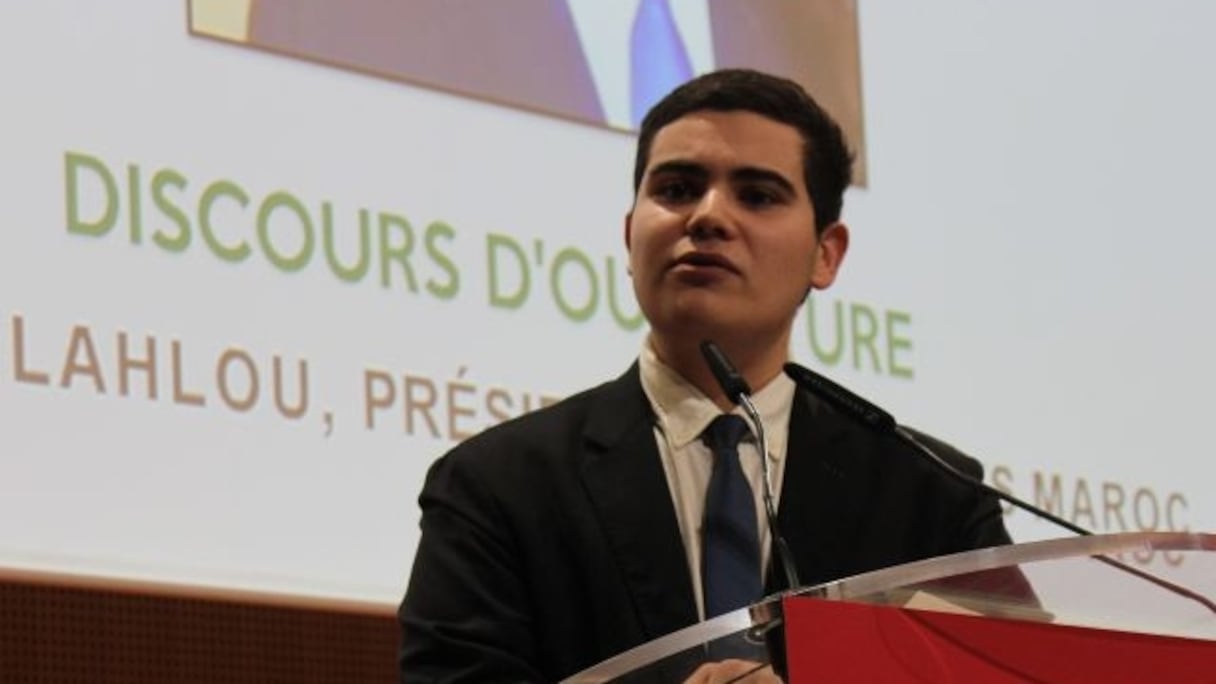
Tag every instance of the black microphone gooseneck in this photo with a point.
(738, 391)
(882, 422)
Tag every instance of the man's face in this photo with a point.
(722, 234)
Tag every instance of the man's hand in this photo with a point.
(744, 671)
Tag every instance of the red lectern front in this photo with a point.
(1133, 607)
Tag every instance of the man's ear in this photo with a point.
(628, 229)
(830, 249)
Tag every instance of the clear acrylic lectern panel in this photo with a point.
(1148, 583)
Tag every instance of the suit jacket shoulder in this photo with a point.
(855, 501)
(549, 543)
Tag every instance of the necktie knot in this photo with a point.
(725, 433)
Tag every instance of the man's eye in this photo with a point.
(758, 197)
(675, 191)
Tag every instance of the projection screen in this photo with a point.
(260, 266)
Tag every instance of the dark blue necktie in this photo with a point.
(730, 562)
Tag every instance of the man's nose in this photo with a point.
(710, 217)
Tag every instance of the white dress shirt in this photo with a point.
(682, 413)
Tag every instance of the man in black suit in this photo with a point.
(564, 537)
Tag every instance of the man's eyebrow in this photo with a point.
(677, 167)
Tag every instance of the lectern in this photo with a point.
(1133, 607)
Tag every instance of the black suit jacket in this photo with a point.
(550, 542)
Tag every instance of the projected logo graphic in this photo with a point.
(597, 62)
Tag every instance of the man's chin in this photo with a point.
(695, 321)
(701, 322)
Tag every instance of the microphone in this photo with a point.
(738, 391)
(728, 377)
(883, 423)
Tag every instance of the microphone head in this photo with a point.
(728, 377)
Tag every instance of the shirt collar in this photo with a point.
(683, 411)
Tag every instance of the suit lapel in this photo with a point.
(625, 481)
(821, 491)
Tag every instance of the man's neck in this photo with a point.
(758, 364)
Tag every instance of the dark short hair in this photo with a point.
(826, 161)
